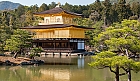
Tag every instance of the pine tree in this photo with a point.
(43, 7)
(123, 10)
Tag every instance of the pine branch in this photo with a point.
(112, 70)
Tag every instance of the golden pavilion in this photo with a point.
(58, 32)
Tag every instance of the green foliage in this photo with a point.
(97, 6)
(121, 36)
(136, 66)
(5, 30)
(52, 5)
(123, 10)
(106, 54)
(19, 40)
(135, 8)
(110, 13)
(91, 34)
(118, 39)
(43, 7)
(35, 52)
(37, 49)
(20, 11)
(84, 22)
(111, 60)
(106, 14)
(127, 1)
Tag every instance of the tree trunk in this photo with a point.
(127, 53)
(117, 74)
(129, 75)
(15, 55)
(129, 72)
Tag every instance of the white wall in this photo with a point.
(54, 21)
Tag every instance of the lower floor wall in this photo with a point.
(59, 44)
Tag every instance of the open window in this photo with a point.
(58, 19)
(47, 21)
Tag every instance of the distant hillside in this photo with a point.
(127, 1)
(8, 5)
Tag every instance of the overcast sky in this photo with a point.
(39, 2)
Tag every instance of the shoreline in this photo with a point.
(10, 61)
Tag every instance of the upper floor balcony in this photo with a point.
(50, 22)
(56, 20)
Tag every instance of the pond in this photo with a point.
(79, 72)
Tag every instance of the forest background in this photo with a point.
(98, 15)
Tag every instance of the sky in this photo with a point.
(39, 2)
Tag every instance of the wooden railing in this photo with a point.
(58, 49)
(52, 36)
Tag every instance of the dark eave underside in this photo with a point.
(57, 10)
(54, 26)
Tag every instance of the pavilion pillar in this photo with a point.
(60, 54)
(54, 43)
(69, 44)
(53, 54)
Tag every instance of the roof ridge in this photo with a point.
(57, 10)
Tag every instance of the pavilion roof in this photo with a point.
(54, 26)
(57, 10)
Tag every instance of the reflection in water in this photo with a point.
(80, 62)
(59, 73)
(56, 75)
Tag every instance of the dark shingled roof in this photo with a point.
(57, 10)
(54, 26)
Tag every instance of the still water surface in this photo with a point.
(79, 72)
